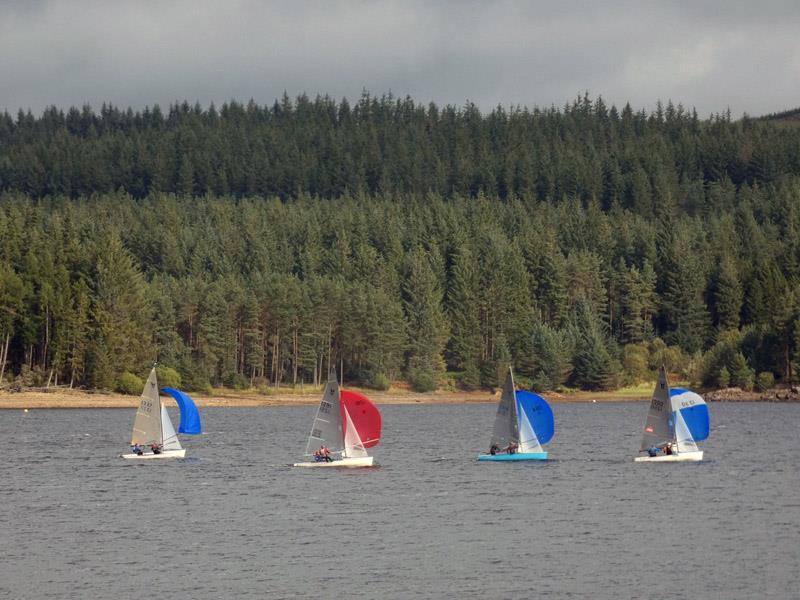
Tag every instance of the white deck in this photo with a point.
(150, 456)
(682, 457)
(347, 463)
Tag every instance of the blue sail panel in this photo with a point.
(694, 411)
(697, 421)
(539, 414)
(190, 417)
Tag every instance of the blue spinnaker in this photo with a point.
(539, 414)
(693, 410)
(190, 418)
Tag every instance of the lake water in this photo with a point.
(234, 521)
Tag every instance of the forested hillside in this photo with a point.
(253, 245)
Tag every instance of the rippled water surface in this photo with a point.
(234, 521)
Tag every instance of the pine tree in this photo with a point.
(427, 325)
(11, 300)
(594, 368)
(741, 375)
(465, 345)
(548, 360)
(727, 295)
(121, 313)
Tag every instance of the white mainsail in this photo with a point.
(147, 427)
(658, 428)
(327, 427)
(506, 425)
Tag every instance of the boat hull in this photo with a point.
(514, 457)
(682, 457)
(344, 463)
(161, 456)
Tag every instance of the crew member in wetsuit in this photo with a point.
(512, 448)
(326, 454)
(156, 448)
(494, 449)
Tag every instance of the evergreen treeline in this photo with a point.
(257, 245)
(391, 146)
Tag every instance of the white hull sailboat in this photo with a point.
(684, 457)
(342, 463)
(524, 422)
(346, 424)
(163, 454)
(153, 426)
(676, 421)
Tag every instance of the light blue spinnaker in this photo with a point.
(190, 417)
(689, 409)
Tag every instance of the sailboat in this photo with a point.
(524, 422)
(347, 423)
(677, 420)
(153, 426)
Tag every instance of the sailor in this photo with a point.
(156, 448)
(326, 454)
(668, 449)
(137, 449)
(494, 449)
(652, 450)
(512, 448)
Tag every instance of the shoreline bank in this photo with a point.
(61, 398)
(65, 398)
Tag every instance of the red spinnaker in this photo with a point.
(365, 417)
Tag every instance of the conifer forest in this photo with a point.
(253, 245)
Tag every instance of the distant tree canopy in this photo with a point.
(260, 245)
(587, 150)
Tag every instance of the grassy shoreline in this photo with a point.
(64, 398)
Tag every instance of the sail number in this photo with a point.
(325, 407)
(146, 406)
(657, 404)
(316, 433)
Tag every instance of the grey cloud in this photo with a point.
(710, 55)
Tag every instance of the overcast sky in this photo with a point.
(708, 55)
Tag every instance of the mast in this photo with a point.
(160, 420)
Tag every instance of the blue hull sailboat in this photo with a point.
(524, 422)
